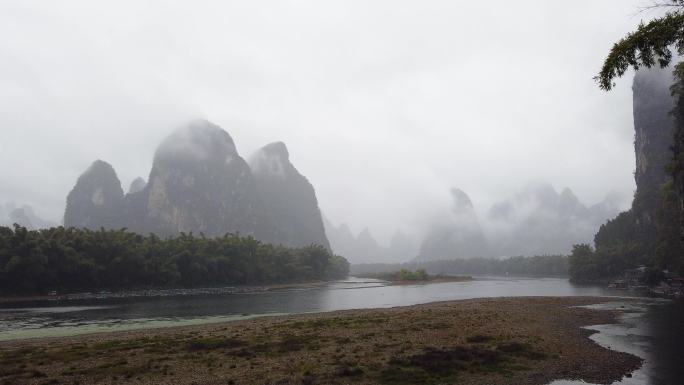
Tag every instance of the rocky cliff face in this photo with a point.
(653, 140)
(97, 200)
(287, 210)
(200, 183)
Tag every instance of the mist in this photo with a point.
(384, 107)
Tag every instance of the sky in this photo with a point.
(384, 105)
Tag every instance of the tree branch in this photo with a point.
(651, 43)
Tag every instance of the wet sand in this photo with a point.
(526, 340)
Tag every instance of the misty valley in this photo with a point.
(342, 193)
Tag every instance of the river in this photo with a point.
(651, 329)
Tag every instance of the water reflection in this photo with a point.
(655, 332)
(652, 330)
(64, 317)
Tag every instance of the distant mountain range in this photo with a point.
(363, 248)
(535, 221)
(24, 216)
(199, 183)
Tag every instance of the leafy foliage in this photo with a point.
(589, 265)
(651, 43)
(417, 275)
(621, 243)
(80, 259)
(626, 241)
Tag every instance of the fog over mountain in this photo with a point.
(535, 221)
(364, 248)
(200, 184)
(24, 216)
(384, 106)
(288, 211)
(457, 234)
(538, 220)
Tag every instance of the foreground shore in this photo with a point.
(483, 341)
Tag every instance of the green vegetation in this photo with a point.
(408, 275)
(620, 244)
(537, 266)
(80, 259)
(649, 45)
(418, 275)
(627, 241)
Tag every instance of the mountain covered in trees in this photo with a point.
(199, 183)
(535, 221)
(649, 233)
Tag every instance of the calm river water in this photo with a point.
(651, 329)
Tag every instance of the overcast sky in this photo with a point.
(384, 105)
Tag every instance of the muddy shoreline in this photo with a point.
(524, 340)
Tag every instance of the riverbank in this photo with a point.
(165, 292)
(482, 341)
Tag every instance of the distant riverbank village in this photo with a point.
(657, 283)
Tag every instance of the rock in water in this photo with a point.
(97, 200)
(288, 212)
(200, 183)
